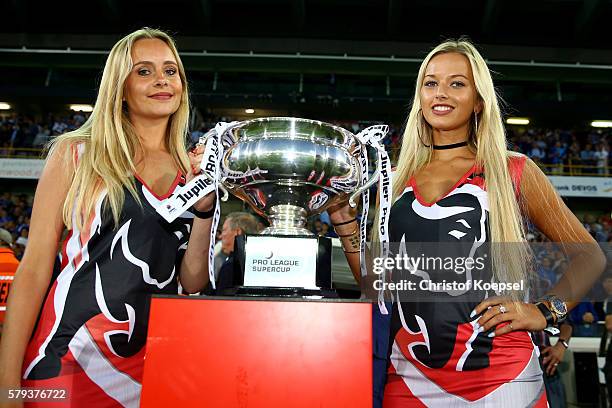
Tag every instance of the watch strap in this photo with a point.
(550, 319)
(202, 214)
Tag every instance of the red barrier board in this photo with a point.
(243, 352)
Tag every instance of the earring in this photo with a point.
(475, 124)
(421, 120)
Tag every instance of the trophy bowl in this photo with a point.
(288, 169)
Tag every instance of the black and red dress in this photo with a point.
(437, 356)
(91, 335)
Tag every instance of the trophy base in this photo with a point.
(287, 219)
(267, 291)
(282, 266)
(286, 231)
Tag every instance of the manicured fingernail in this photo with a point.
(476, 326)
(473, 313)
(480, 329)
(492, 334)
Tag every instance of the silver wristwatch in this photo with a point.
(556, 306)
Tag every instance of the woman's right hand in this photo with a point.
(207, 202)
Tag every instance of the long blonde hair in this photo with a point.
(512, 262)
(108, 140)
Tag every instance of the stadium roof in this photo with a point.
(276, 52)
(546, 23)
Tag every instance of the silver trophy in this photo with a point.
(286, 169)
(289, 169)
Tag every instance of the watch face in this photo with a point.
(559, 306)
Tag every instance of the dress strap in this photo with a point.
(515, 166)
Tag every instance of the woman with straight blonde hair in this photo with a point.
(458, 337)
(103, 183)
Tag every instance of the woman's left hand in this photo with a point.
(516, 315)
(552, 356)
(341, 212)
(207, 202)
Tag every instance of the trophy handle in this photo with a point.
(202, 142)
(224, 189)
(225, 195)
(363, 188)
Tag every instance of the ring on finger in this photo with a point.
(511, 328)
(502, 309)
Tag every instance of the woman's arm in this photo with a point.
(548, 212)
(346, 225)
(34, 273)
(194, 266)
(550, 215)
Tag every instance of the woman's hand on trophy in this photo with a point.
(195, 161)
(207, 202)
(342, 212)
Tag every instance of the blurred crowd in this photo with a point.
(600, 228)
(558, 151)
(15, 212)
(565, 151)
(551, 263)
(26, 132)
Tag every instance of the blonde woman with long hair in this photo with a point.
(457, 185)
(103, 183)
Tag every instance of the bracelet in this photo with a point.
(204, 215)
(348, 235)
(350, 252)
(344, 223)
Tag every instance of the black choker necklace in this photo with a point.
(450, 146)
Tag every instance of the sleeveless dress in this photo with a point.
(437, 357)
(90, 338)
